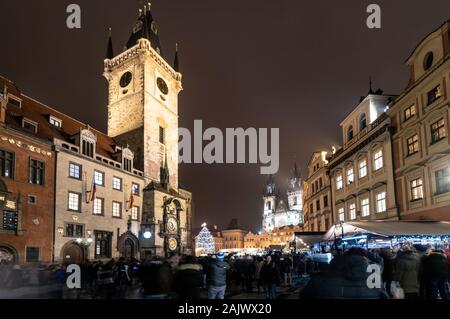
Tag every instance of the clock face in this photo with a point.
(173, 244)
(172, 225)
(126, 78)
(162, 86)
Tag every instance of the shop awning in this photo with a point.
(389, 229)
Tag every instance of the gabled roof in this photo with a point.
(421, 43)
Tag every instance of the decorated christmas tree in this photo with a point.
(205, 241)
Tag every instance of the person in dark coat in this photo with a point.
(388, 269)
(156, 278)
(188, 279)
(346, 279)
(217, 277)
(435, 272)
(270, 277)
(407, 272)
(122, 278)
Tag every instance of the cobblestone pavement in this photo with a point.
(283, 292)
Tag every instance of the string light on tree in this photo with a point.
(205, 241)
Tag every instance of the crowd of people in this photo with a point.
(410, 272)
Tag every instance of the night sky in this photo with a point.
(300, 66)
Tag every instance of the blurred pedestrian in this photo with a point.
(217, 277)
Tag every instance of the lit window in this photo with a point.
(135, 213)
(74, 170)
(352, 210)
(410, 112)
(99, 178)
(339, 183)
(378, 160)
(341, 214)
(55, 122)
(416, 189)
(135, 189)
(413, 144)
(74, 201)
(362, 168)
(381, 202)
(365, 208)
(438, 131)
(117, 209)
(117, 183)
(350, 176)
(442, 180)
(98, 206)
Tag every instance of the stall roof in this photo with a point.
(310, 237)
(389, 228)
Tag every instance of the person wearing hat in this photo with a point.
(216, 277)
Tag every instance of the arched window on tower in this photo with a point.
(350, 133)
(362, 122)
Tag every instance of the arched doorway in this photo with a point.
(72, 253)
(7, 254)
(128, 245)
(128, 249)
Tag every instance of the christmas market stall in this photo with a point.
(388, 234)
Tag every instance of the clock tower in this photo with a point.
(143, 100)
(143, 115)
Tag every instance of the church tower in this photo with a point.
(295, 190)
(143, 100)
(270, 202)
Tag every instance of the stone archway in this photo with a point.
(128, 245)
(8, 254)
(72, 253)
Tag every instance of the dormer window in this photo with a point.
(350, 133)
(14, 101)
(55, 122)
(29, 125)
(87, 148)
(362, 122)
(88, 140)
(127, 164)
(127, 158)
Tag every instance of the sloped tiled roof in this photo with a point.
(40, 113)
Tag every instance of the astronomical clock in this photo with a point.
(171, 231)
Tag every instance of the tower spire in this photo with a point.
(370, 85)
(176, 62)
(109, 47)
